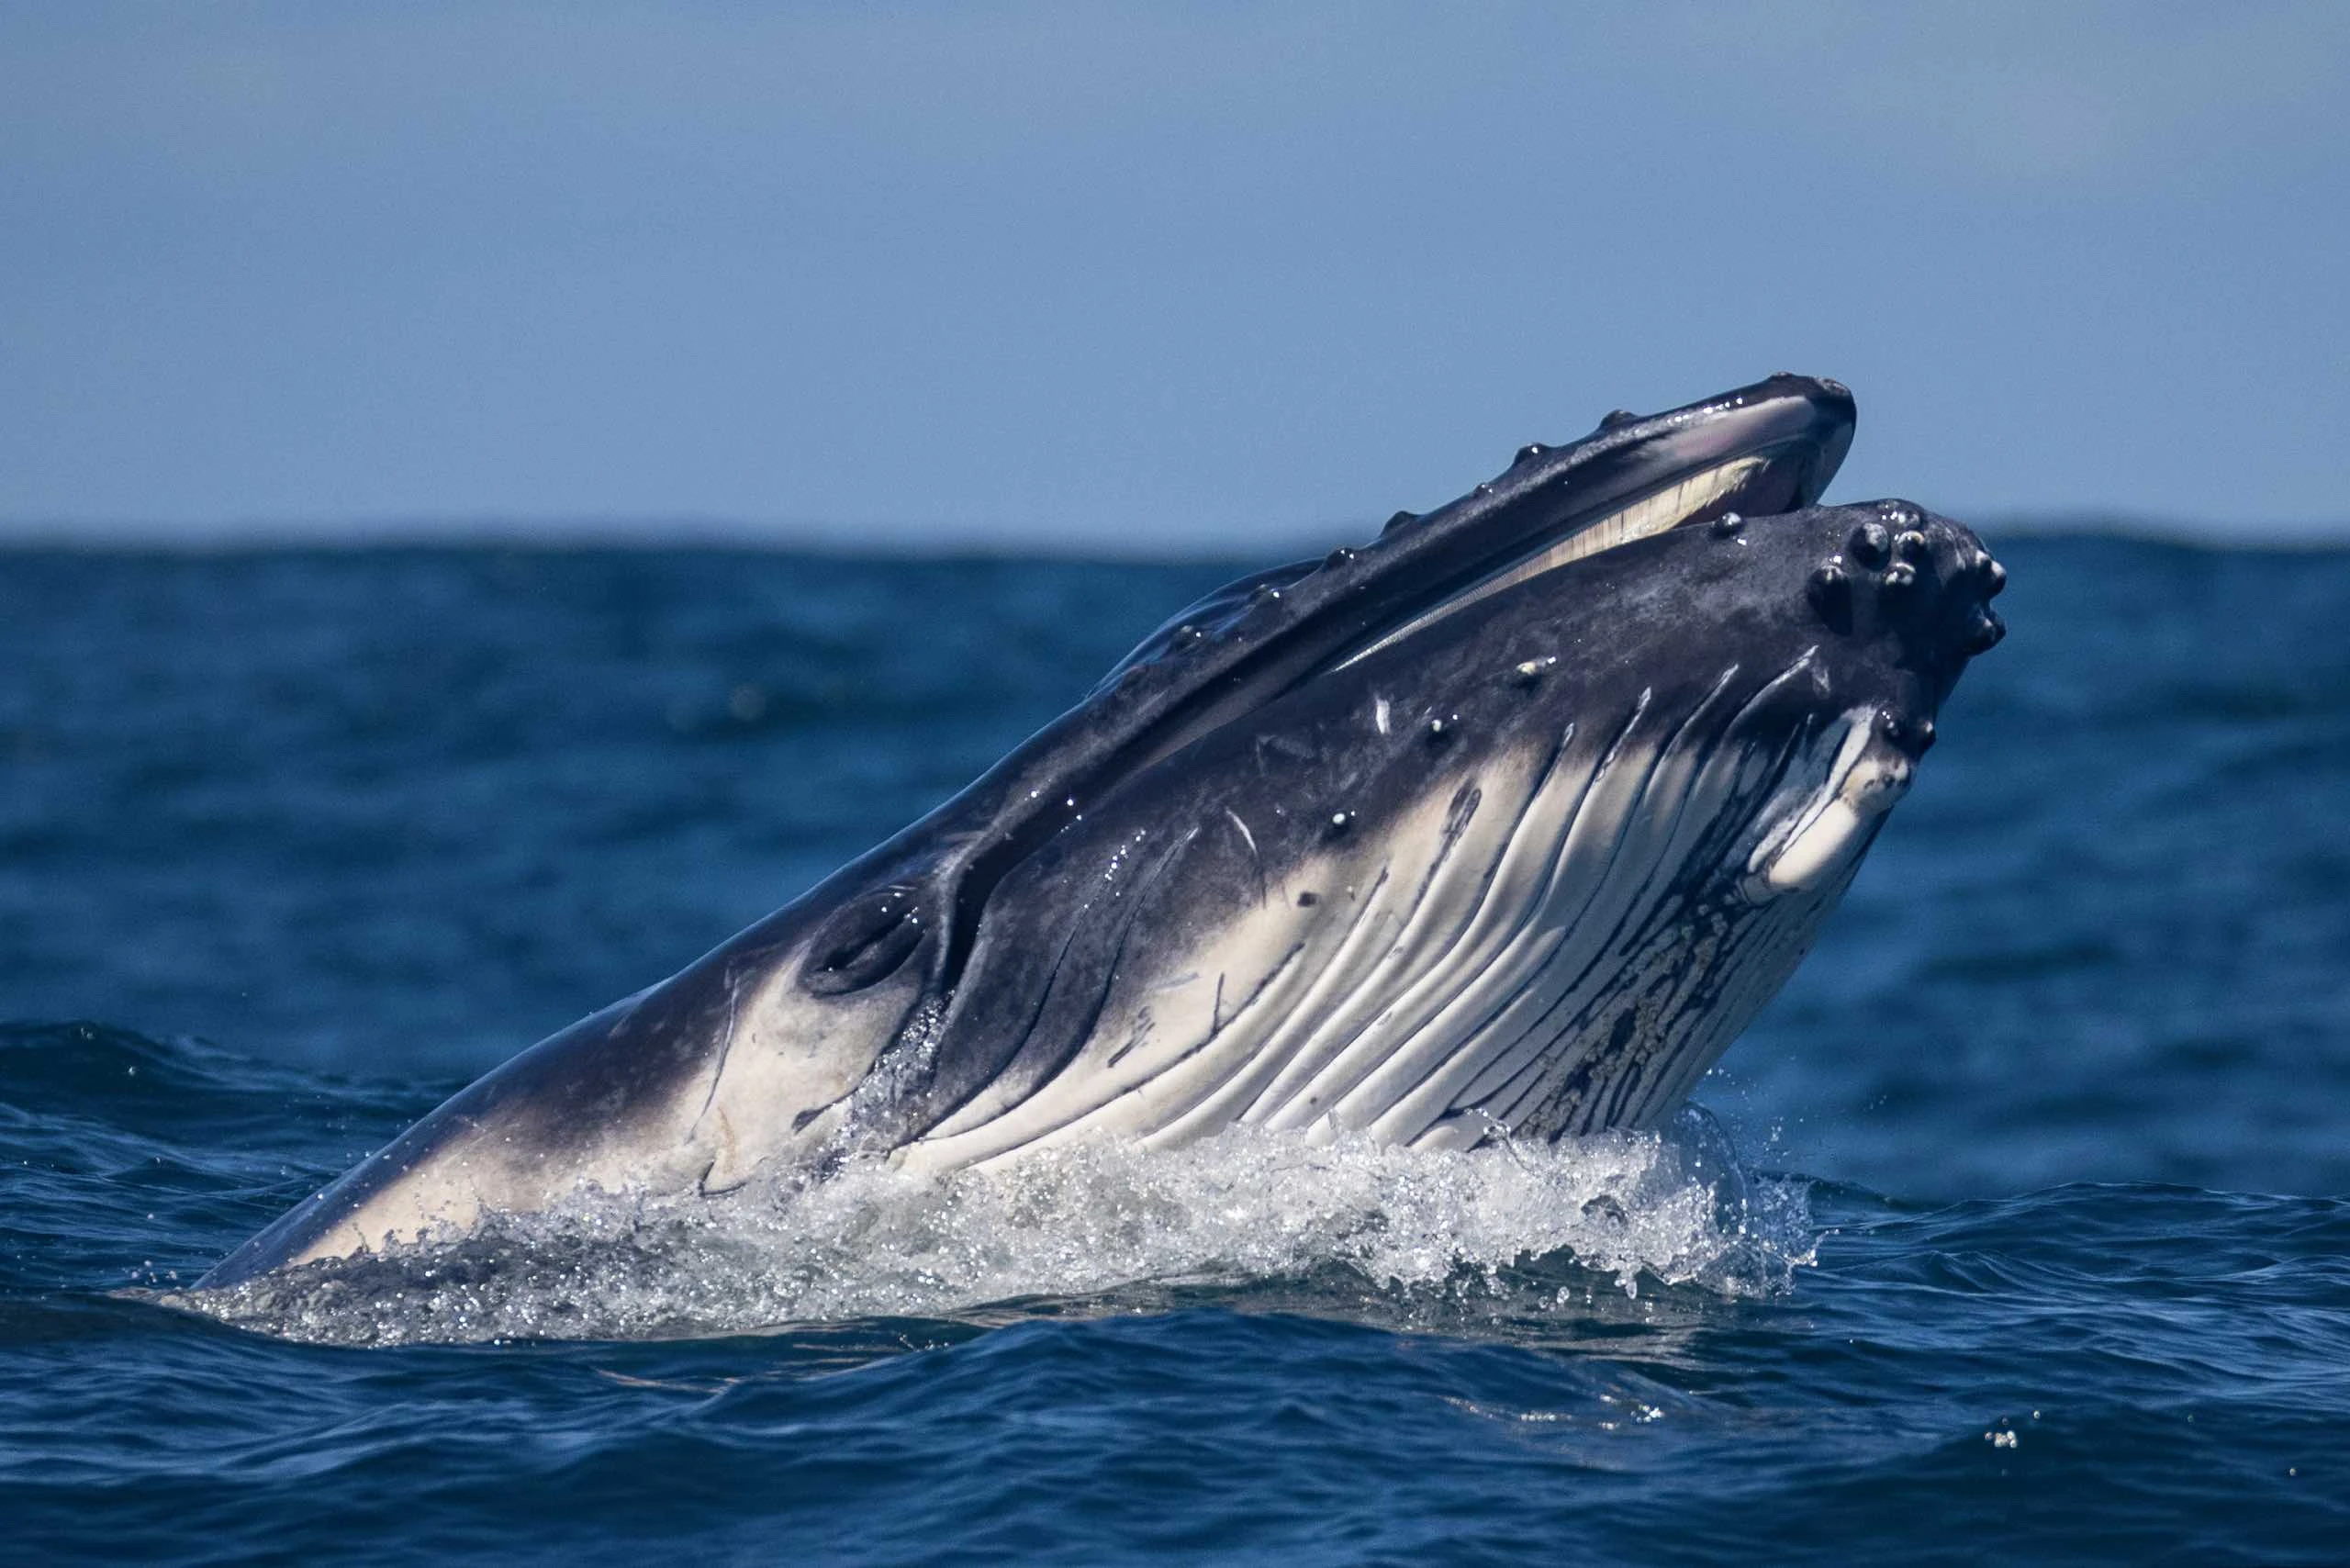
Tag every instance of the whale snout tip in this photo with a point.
(1902, 570)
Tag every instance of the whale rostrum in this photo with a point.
(1500, 826)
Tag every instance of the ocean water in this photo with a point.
(2015, 1228)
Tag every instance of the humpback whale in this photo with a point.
(1500, 826)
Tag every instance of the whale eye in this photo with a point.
(863, 943)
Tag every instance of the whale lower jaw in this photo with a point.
(1551, 945)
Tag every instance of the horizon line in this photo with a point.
(654, 532)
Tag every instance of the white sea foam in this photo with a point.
(1250, 1217)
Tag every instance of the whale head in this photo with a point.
(1523, 864)
(1503, 823)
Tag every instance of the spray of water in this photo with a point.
(1251, 1218)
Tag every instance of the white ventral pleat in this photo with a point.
(1837, 821)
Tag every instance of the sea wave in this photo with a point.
(1349, 1227)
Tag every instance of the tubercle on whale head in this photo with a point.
(1922, 580)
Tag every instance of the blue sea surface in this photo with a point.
(2033, 1244)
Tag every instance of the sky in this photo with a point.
(1155, 278)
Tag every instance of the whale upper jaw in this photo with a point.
(865, 1015)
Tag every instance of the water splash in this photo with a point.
(1250, 1215)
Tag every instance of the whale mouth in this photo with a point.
(1759, 450)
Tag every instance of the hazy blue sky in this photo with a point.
(1151, 276)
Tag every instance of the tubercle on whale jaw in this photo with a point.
(1913, 737)
(1902, 572)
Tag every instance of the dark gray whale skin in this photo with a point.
(1436, 839)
